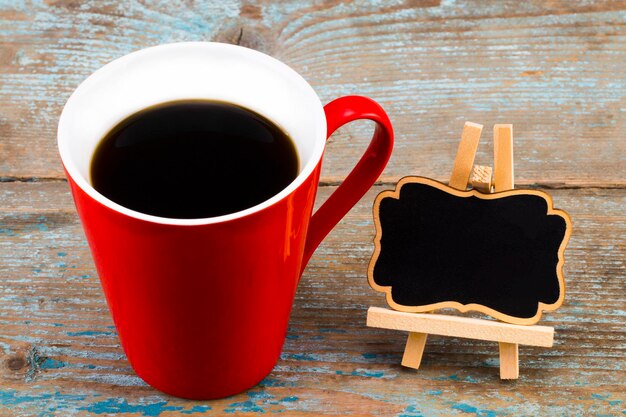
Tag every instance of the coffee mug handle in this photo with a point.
(339, 112)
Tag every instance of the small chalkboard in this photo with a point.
(498, 253)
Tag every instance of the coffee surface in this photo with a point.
(193, 159)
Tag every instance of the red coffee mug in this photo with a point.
(201, 305)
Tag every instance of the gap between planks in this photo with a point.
(391, 182)
(547, 185)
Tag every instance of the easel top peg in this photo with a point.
(503, 157)
(465, 154)
(481, 178)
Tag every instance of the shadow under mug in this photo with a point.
(201, 306)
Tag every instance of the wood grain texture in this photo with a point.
(509, 360)
(60, 354)
(481, 178)
(458, 326)
(465, 154)
(414, 350)
(553, 69)
(503, 166)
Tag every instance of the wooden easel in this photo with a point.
(419, 325)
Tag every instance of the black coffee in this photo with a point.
(193, 159)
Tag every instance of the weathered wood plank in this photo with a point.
(59, 353)
(555, 70)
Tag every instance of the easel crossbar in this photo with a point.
(464, 327)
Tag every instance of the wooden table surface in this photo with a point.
(554, 69)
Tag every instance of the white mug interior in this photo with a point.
(190, 70)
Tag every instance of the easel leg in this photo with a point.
(414, 350)
(509, 360)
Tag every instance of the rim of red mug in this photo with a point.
(64, 135)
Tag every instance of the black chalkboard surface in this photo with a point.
(438, 247)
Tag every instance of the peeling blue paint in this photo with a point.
(120, 405)
(494, 362)
(373, 374)
(196, 409)
(272, 382)
(369, 355)
(289, 399)
(466, 408)
(433, 392)
(411, 411)
(90, 333)
(259, 395)
(327, 330)
(62, 254)
(363, 372)
(299, 356)
(49, 363)
(257, 403)
(605, 397)
(61, 265)
(455, 377)
(244, 407)
(11, 397)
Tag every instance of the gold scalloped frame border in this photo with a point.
(454, 304)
